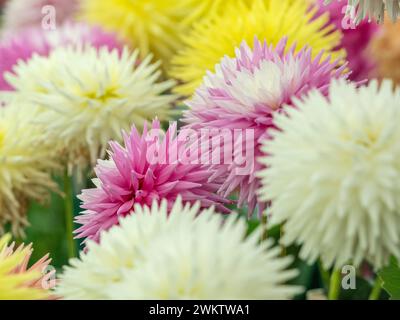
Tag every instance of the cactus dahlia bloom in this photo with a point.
(25, 162)
(87, 96)
(22, 45)
(374, 9)
(17, 281)
(22, 14)
(245, 92)
(333, 175)
(152, 26)
(142, 171)
(176, 251)
(213, 38)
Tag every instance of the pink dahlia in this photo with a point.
(23, 45)
(151, 166)
(356, 38)
(21, 14)
(244, 93)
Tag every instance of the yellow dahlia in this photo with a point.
(153, 26)
(270, 20)
(17, 281)
(25, 161)
(87, 96)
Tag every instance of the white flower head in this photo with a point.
(87, 96)
(180, 255)
(333, 174)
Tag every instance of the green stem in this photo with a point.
(334, 285)
(264, 234)
(69, 215)
(376, 290)
(283, 248)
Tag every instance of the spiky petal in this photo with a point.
(21, 46)
(17, 280)
(333, 175)
(142, 171)
(176, 251)
(246, 91)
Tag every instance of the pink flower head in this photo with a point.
(356, 38)
(246, 91)
(151, 166)
(23, 45)
(21, 14)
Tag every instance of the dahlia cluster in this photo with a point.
(198, 149)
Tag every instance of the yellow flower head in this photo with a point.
(219, 35)
(25, 162)
(17, 282)
(152, 26)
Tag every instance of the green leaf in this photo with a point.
(391, 279)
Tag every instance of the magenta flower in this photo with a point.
(149, 167)
(356, 38)
(23, 45)
(245, 92)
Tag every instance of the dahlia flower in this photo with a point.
(213, 38)
(245, 92)
(25, 162)
(87, 96)
(374, 9)
(355, 41)
(23, 45)
(21, 14)
(141, 172)
(385, 49)
(17, 281)
(333, 175)
(180, 253)
(153, 26)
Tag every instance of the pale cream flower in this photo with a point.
(183, 255)
(333, 175)
(87, 96)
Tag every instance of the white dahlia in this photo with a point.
(25, 165)
(87, 96)
(333, 174)
(183, 255)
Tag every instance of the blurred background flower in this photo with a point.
(356, 38)
(153, 26)
(385, 48)
(195, 249)
(17, 280)
(213, 38)
(26, 161)
(87, 96)
(21, 14)
(373, 9)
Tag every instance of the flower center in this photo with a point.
(109, 93)
(2, 137)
